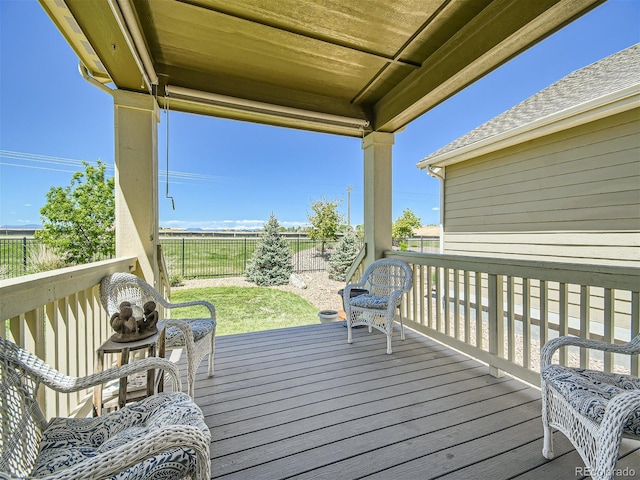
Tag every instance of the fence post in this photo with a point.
(244, 261)
(24, 254)
(182, 257)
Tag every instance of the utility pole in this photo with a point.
(349, 206)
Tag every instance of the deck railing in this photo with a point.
(58, 316)
(502, 311)
(498, 311)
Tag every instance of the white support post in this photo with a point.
(377, 148)
(136, 163)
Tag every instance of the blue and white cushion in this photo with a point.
(589, 391)
(69, 441)
(200, 327)
(376, 302)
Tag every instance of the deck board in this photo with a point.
(302, 403)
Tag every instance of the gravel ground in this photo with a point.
(321, 291)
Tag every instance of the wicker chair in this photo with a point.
(386, 280)
(196, 335)
(162, 436)
(593, 409)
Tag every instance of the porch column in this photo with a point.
(377, 148)
(136, 180)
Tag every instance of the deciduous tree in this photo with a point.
(325, 221)
(403, 227)
(78, 219)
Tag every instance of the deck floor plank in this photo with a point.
(302, 403)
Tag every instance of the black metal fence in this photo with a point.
(228, 257)
(16, 256)
(193, 257)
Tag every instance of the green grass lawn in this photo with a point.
(247, 309)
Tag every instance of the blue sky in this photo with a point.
(231, 174)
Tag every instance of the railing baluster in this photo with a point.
(608, 327)
(467, 308)
(526, 323)
(479, 336)
(584, 323)
(544, 317)
(447, 303)
(16, 327)
(438, 299)
(635, 329)
(511, 315)
(496, 321)
(430, 285)
(563, 326)
(50, 357)
(420, 293)
(456, 303)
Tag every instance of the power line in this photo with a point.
(34, 161)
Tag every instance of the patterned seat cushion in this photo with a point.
(200, 327)
(589, 391)
(376, 302)
(69, 441)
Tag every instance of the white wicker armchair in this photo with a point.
(195, 335)
(593, 409)
(386, 280)
(162, 436)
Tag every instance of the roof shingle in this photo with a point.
(611, 74)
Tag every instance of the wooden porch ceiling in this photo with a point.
(324, 66)
(302, 403)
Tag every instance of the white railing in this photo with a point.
(58, 316)
(502, 311)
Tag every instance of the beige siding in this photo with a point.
(573, 196)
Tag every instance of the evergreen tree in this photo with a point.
(343, 256)
(270, 263)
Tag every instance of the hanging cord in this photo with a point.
(166, 113)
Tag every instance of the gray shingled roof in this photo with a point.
(611, 74)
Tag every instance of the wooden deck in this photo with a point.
(302, 403)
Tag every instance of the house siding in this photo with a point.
(573, 196)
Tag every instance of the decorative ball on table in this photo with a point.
(128, 328)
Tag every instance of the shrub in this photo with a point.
(43, 259)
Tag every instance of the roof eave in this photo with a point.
(607, 105)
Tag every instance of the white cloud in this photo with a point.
(435, 209)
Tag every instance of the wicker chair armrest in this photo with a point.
(394, 298)
(120, 458)
(350, 286)
(187, 332)
(346, 293)
(63, 383)
(204, 303)
(549, 348)
(616, 414)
